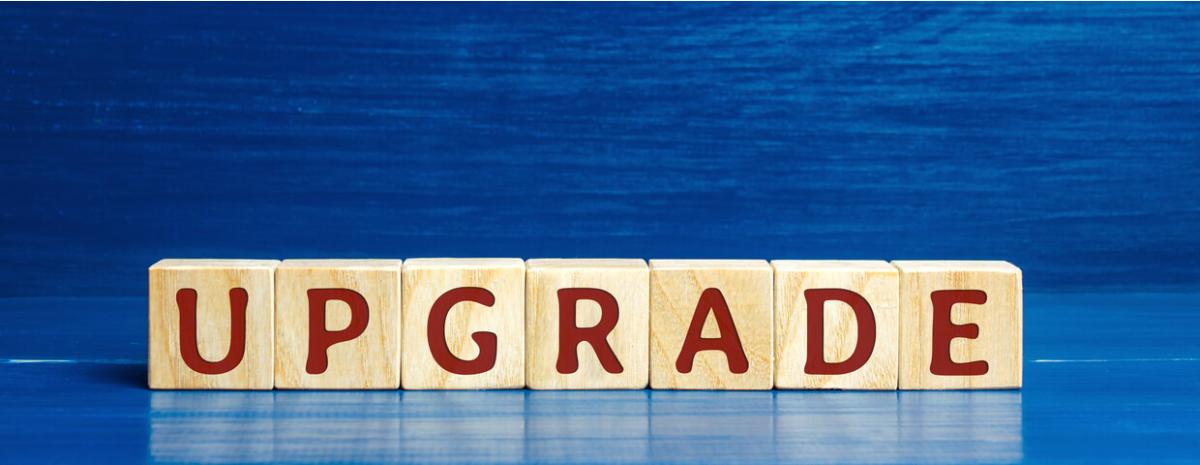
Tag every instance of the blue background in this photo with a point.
(1063, 138)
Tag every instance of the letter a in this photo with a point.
(712, 301)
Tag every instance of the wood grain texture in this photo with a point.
(876, 281)
(628, 281)
(369, 361)
(1086, 400)
(212, 280)
(1057, 136)
(1060, 136)
(675, 288)
(999, 322)
(426, 279)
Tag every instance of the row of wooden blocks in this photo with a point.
(584, 324)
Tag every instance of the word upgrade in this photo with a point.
(584, 324)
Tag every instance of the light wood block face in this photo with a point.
(588, 288)
(983, 297)
(482, 305)
(194, 308)
(679, 290)
(343, 351)
(848, 362)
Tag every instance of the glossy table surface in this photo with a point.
(1108, 378)
(1060, 137)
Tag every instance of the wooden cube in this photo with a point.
(836, 324)
(464, 323)
(211, 324)
(587, 324)
(337, 324)
(711, 324)
(960, 325)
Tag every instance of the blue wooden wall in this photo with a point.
(1064, 138)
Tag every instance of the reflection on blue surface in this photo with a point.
(1060, 137)
(1103, 384)
(586, 427)
(224, 427)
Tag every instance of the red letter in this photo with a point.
(712, 301)
(945, 330)
(569, 335)
(186, 299)
(319, 338)
(437, 332)
(816, 364)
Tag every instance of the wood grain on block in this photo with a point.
(711, 324)
(847, 292)
(464, 323)
(606, 343)
(357, 346)
(211, 324)
(960, 325)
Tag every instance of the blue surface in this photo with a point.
(1064, 138)
(1110, 378)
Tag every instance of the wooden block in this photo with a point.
(960, 325)
(474, 337)
(732, 349)
(195, 305)
(357, 346)
(842, 293)
(607, 338)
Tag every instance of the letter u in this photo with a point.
(188, 345)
